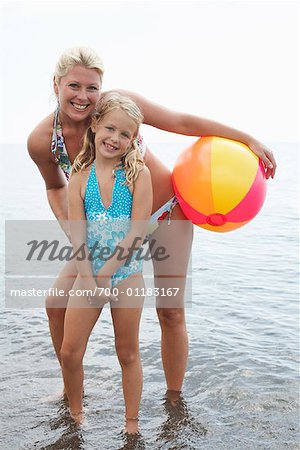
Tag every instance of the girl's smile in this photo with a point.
(114, 134)
(110, 147)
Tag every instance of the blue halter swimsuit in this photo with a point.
(107, 227)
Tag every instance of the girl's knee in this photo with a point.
(71, 358)
(127, 356)
(171, 318)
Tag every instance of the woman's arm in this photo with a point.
(141, 211)
(56, 185)
(190, 125)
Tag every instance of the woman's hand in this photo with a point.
(265, 154)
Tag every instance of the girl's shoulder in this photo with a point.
(81, 174)
(78, 180)
(143, 181)
(144, 175)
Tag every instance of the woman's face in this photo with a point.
(78, 92)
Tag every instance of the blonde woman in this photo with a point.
(57, 140)
(109, 208)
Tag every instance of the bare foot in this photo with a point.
(78, 417)
(173, 397)
(131, 425)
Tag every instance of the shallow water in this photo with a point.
(241, 386)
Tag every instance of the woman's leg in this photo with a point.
(176, 238)
(56, 306)
(126, 315)
(80, 319)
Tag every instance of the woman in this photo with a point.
(77, 85)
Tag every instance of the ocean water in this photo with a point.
(241, 388)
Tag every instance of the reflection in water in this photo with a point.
(132, 441)
(180, 425)
(72, 436)
(62, 418)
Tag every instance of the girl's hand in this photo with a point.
(100, 297)
(104, 283)
(96, 297)
(267, 157)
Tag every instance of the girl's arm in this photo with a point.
(141, 211)
(190, 125)
(77, 224)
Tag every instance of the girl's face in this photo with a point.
(114, 135)
(78, 92)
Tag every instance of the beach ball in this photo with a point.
(220, 184)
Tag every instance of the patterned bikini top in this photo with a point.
(59, 150)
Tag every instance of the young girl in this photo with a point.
(110, 204)
(54, 144)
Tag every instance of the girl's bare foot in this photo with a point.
(131, 425)
(173, 397)
(78, 417)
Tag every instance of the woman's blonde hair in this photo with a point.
(83, 56)
(131, 161)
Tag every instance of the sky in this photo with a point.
(235, 62)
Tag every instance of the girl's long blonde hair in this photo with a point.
(131, 161)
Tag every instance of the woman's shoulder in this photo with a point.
(39, 140)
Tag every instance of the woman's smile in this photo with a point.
(79, 107)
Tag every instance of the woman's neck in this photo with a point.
(79, 126)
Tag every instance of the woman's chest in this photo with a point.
(73, 145)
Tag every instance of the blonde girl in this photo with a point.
(109, 206)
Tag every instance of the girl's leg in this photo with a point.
(126, 315)
(56, 306)
(80, 319)
(177, 238)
